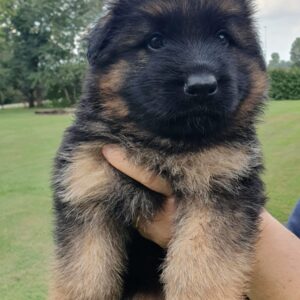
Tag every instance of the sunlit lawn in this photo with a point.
(27, 146)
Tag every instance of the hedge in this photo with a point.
(285, 84)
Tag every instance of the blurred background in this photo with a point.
(42, 63)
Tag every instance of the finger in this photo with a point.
(117, 158)
(170, 206)
(160, 229)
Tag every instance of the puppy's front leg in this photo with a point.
(90, 260)
(90, 244)
(209, 257)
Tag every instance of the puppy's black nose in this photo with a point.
(204, 84)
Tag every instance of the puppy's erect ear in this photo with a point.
(99, 38)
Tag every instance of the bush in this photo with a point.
(10, 96)
(285, 84)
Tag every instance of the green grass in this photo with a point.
(28, 144)
(280, 136)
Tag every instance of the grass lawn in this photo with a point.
(28, 144)
(280, 136)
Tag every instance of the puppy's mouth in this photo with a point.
(191, 111)
(201, 107)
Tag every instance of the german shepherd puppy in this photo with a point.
(178, 84)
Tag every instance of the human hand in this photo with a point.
(277, 269)
(160, 228)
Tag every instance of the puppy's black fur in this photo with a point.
(179, 85)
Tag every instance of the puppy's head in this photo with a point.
(179, 69)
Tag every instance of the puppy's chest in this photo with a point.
(195, 173)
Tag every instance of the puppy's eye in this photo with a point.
(224, 37)
(156, 42)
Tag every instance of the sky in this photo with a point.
(279, 25)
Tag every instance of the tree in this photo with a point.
(65, 83)
(295, 52)
(275, 61)
(43, 35)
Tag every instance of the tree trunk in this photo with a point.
(31, 103)
(31, 99)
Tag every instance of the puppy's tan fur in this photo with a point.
(91, 263)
